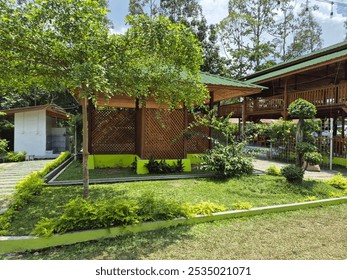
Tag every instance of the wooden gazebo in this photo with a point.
(120, 128)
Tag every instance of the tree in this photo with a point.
(189, 13)
(245, 35)
(284, 28)
(302, 109)
(308, 34)
(67, 44)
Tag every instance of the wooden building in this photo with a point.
(320, 78)
(121, 128)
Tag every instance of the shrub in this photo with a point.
(273, 170)
(53, 164)
(301, 108)
(81, 214)
(202, 208)
(304, 147)
(162, 167)
(313, 158)
(16, 156)
(338, 181)
(242, 205)
(3, 146)
(293, 173)
(228, 161)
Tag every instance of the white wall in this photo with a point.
(30, 132)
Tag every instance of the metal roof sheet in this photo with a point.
(211, 79)
(321, 52)
(294, 67)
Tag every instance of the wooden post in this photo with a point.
(210, 129)
(343, 124)
(185, 126)
(142, 131)
(285, 100)
(244, 116)
(85, 148)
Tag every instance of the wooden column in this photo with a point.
(85, 147)
(140, 131)
(343, 124)
(185, 126)
(210, 129)
(285, 99)
(244, 115)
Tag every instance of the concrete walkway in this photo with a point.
(261, 165)
(12, 173)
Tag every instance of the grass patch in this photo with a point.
(74, 172)
(313, 234)
(252, 191)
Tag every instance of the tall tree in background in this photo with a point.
(245, 33)
(283, 29)
(308, 33)
(189, 13)
(64, 44)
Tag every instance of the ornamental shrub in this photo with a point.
(16, 156)
(273, 170)
(302, 109)
(313, 158)
(228, 161)
(3, 146)
(305, 147)
(162, 167)
(293, 173)
(338, 181)
(81, 214)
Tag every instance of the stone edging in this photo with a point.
(10, 244)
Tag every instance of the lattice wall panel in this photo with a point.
(198, 141)
(113, 131)
(162, 128)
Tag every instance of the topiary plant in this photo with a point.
(313, 158)
(293, 173)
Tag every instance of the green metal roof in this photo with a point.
(298, 66)
(288, 67)
(211, 79)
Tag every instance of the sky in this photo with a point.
(215, 10)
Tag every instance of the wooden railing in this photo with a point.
(325, 96)
(265, 104)
(227, 109)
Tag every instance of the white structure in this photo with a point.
(36, 131)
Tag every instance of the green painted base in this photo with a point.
(110, 161)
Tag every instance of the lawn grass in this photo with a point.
(252, 190)
(74, 172)
(316, 234)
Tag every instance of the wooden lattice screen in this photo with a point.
(197, 141)
(112, 131)
(162, 131)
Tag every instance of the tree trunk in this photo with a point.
(85, 148)
(299, 139)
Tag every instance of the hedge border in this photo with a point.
(18, 244)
